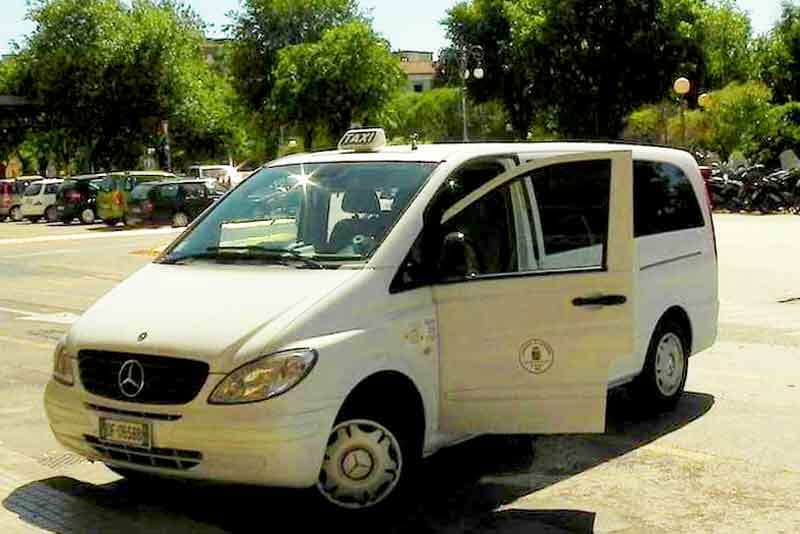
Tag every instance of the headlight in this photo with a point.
(62, 367)
(267, 377)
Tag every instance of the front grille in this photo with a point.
(156, 457)
(166, 380)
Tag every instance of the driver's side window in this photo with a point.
(481, 240)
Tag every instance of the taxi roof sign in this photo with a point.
(363, 140)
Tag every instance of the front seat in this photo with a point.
(358, 201)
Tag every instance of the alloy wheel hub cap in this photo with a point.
(357, 464)
(362, 465)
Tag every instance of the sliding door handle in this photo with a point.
(604, 300)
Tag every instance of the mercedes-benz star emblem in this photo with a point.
(357, 464)
(142, 337)
(131, 378)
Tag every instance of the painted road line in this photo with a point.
(87, 235)
(26, 342)
(153, 252)
(35, 254)
(55, 318)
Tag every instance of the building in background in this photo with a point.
(419, 69)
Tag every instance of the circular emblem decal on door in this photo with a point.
(536, 356)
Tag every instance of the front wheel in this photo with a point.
(16, 214)
(367, 463)
(661, 383)
(50, 214)
(180, 219)
(87, 216)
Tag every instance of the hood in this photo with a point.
(200, 311)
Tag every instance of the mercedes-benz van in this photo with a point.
(340, 315)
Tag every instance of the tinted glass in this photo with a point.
(166, 192)
(108, 184)
(573, 204)
(140, 191)
(51, 189)
(193, 191)
(484, 235)
(663, 199)
(33, 190)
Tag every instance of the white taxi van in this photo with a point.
(340, 315)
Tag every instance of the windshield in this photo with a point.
(335, 211)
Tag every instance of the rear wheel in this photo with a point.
(180, 219)
(50, 214)
(87, 216)
(661, 383)
(15, 213)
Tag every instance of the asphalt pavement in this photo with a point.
(727, 460)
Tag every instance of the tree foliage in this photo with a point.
(585, 63)
(348, 75)
(778, 56)
(106, 74)
(740, 118)
(264, 27)
(436, 116)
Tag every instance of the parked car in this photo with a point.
(11, 196)
(39, 200)
(77, 198)
(115, 192)
(224, 174)
(506, 289)
(177, 202)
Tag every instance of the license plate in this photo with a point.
(125, 432)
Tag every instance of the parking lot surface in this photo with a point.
(727, 460)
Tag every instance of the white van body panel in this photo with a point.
(348, 316)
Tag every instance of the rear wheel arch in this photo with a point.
(681, 317)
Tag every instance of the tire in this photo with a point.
(369, 462)
(660, 385)
(180, 219)
(15, 213)
(50, 214)
(88, 216)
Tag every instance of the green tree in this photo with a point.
(778, 56)
(436, 116)
(586, 64)
(740, 118)
(107, 73)
(349, 75)
(264, 27)
(726, 35)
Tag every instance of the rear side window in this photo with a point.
(51, 189)
(573, 201)
(663, 199)
(33, 190)
(193, 191)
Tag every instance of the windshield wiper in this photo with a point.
(277, 253)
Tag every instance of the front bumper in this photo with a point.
(244, 444)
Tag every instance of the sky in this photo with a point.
(408, 24)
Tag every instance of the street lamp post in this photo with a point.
(466, 56)
(682, 86)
